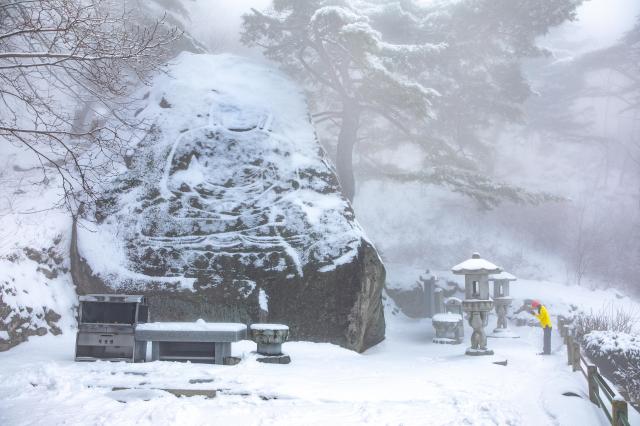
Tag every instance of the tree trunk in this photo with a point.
(346, 142)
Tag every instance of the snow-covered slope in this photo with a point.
(36, 293)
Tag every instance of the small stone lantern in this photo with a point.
(477, 302)
(502, 300)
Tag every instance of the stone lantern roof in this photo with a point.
(503, 276)
(476, 265)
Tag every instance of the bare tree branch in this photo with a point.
(58, 56)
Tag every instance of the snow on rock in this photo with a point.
(36, 291)
(36, 295)
(231, 194)
(263, 301)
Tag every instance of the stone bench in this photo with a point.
(191, 341)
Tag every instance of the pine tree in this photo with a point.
(437, 75)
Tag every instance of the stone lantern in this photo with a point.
(502, 300)
(477, 302)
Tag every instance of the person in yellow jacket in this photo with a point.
(545, 322)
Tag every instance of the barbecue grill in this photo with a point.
(106, 327)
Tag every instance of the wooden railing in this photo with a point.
(613, 405)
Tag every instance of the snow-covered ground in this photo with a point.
(406, 380)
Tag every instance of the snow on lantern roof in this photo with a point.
(503, 276)
(475, 265)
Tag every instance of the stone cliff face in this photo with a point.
(230, 211)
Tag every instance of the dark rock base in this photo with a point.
(275, 359)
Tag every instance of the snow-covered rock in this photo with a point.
(34, 292)
(229, 195)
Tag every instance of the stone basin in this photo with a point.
(269, 337)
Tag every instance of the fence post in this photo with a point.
(561, 323)
(594, 389)
(619, 410)
(576, 356)
(569, 333)
(569, 349)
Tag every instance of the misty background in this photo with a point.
(577, 139)
(543, 179)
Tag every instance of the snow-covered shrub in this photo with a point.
(609, 339)
(609, 318)
(618, 354)
(629, 376)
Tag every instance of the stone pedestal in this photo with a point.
(269, 338)
(478, 315)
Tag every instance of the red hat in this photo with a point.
(535, 304)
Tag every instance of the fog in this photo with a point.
(570, 144)
(318, 171)
(599, 24)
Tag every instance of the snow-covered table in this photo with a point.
(191, 341)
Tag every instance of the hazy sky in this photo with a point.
(217, 22)
(600, 24)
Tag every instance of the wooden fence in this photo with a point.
(613, 405)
